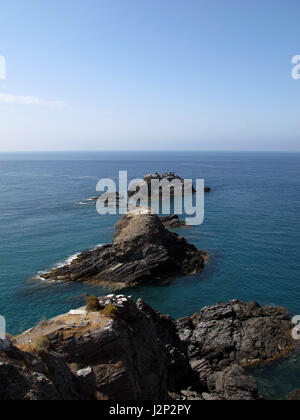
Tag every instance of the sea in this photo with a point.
(251, 232)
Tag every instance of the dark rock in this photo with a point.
(236, 332)
(143, 251)
(173, 222)
(62, 377)
(24, 377)
(144, 355)
(234, 384)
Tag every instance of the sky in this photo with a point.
(149, 75)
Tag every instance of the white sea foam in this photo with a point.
(96, 247)
(61, 264)
(68, 261)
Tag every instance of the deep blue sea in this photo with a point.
(251, 231)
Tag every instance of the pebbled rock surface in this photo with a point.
(143, 251)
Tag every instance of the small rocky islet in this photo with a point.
(126, 350)
(142, 251)
(114, 198)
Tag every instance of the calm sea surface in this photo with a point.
(251, 231)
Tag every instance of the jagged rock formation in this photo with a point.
(129, 351)
(143, 250)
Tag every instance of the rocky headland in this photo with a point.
(129, 351)
(143, 251)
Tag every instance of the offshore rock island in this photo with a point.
(150, 190)
(143, 251)
(128, 351)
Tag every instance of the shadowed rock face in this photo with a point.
(235, 332)
(141, 354)
(26, 377)
(143, 251)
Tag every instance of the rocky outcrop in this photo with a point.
(143, 251)
(23, 376)
(173, 222)
(234, 333)
(152, 190)
(233, 383)
(129, 351)
(129, 354)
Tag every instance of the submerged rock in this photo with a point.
(143, 251)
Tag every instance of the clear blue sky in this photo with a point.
(149, 74)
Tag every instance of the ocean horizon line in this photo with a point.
(145, 151)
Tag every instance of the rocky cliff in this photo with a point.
(128, 351)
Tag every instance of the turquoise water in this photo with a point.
(251, 231)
